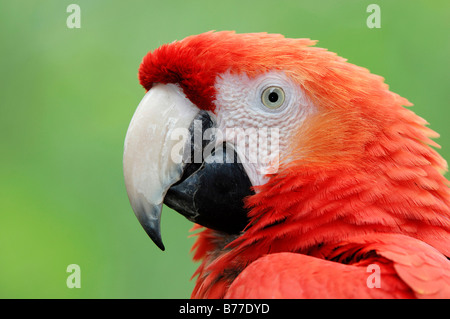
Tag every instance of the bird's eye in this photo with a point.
(273, 97)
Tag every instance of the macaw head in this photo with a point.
(270, 140)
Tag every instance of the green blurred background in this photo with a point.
(67, 96)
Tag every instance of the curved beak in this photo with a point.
(171, 157)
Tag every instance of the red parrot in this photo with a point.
(305, 175)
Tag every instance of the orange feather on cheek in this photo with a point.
(328, 138)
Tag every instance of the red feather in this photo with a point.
(408, 269)
(361, 184)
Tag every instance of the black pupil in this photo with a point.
(273, 97)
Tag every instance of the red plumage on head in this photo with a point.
(196, 61)
(362, 165)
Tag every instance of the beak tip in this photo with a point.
(150, 218)
(158, 241)
(155, 235)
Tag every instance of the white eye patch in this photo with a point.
(270, 104)
(239, 93)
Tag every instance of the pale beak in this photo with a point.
(209, 192)
(148, 163)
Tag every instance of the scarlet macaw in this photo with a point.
(353, 182)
